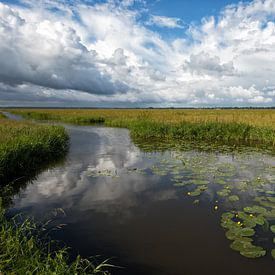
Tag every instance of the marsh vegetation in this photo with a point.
(234, 126)
(26, 146)
(186, 170)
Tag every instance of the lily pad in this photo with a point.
(255, 209)
(253, 252)
(233, 198)
(272, 228)
(224, 192)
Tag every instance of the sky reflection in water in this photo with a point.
(122, 202)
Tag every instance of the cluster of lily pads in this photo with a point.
(241, 184)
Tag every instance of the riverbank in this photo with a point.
(26, 146)
(225, 126)
(23, 252)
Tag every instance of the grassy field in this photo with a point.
(229, 125)
(25, 146)
(253, 117)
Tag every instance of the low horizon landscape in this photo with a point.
(137, 137)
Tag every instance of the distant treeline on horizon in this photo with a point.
(137, 108)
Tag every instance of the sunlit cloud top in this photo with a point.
(137, 53)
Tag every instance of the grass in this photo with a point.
(234, 126)
(22, 252)
(26, 146)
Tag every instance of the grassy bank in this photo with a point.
(25, 146)
(253, 117)
(22, 252)
(235, 126)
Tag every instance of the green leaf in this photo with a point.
(272, 228)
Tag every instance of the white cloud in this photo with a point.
(102, 54)
(164, 21)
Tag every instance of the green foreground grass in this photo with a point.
(224, 126)
(23, 252)
(26, 146)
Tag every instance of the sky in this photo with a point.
(137, 53)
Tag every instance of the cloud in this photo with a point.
(49, 54)
(203, 63)
(104, 54)
(164, 21)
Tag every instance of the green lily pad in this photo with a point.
(233, 198)
(198, 191)
(224, 192)
(255, 209)
(199, 182)
(273, 253)
(241, 244)
(271, 199)
(272, 228)
(253, 252)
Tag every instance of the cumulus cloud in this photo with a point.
(49, 54)
(103, 54)
(164, 21)
(203, 63)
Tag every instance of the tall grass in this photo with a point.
(25, 146)
(23, 252)
(253, 117)
(239, 126)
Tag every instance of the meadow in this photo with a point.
(252, 126)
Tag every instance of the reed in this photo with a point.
(23, 252)
(25, 146)
(253, 126)
(253, 117)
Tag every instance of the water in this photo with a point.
(120, 202)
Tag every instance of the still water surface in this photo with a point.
(124, 203)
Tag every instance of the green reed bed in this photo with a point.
(74, 119)
(22, 252)
(208, 131)
(172, 124)
(25, 146)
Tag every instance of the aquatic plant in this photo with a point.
(23, 252)
(244, 198)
